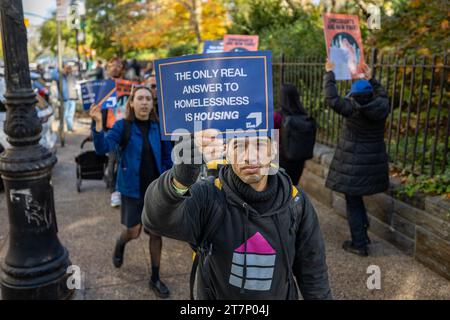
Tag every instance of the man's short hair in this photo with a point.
(116, 60)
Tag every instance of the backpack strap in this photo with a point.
(218, 184)
(193, 274)
(204, 247)
(294, 191)
(298, 196)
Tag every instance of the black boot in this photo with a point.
(349, 247)
(159, 288)
(118, 253)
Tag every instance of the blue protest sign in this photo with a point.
(101, 92)
(87, 94)
(224, 91)
(213, 46)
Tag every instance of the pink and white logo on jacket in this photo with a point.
(260, 263)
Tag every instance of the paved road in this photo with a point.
(88, 227)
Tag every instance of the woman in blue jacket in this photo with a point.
(142, 159)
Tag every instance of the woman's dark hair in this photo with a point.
(290, 103)
(129, 113)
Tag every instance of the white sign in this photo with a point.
(62, 9)
(81, 8)
(73, 20)
(374, 21)
(81, 36)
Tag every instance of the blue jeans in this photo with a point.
(69, 113)
(357, 220)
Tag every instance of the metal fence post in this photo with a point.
(373, 60)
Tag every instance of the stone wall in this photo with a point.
(419, 226)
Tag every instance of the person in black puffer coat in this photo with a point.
(360, 163)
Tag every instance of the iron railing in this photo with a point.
(417, 129)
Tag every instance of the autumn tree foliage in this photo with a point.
(155, 28)
(415, 26)
(136, 27)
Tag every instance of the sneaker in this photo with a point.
(118, 253)
(349, 247)
(159, 288)
(115, 199)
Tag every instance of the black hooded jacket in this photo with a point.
(298, 130)
(254, 255)
(290, 101)
(360, 163)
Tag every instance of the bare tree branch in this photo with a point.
(291, 5)
(363, 7)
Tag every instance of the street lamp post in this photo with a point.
(36, 263)
(75, 23)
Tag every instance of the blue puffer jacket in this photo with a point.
(130, 159)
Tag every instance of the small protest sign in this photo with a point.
(240, 43)
(213, 46)
(344, 45)
(100, 92)
(124, 87)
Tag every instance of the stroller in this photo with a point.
(90, 165)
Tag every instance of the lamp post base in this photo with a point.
(36, 263)
(45, 282)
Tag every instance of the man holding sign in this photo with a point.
(254, 233)
(69, 94)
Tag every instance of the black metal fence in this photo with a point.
(417, 130)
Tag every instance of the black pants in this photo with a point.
(357, 220)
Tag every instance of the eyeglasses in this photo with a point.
(140, 86)
(135, 87)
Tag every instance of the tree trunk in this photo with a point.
(191, 7)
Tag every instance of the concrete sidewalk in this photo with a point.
(88, 227)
